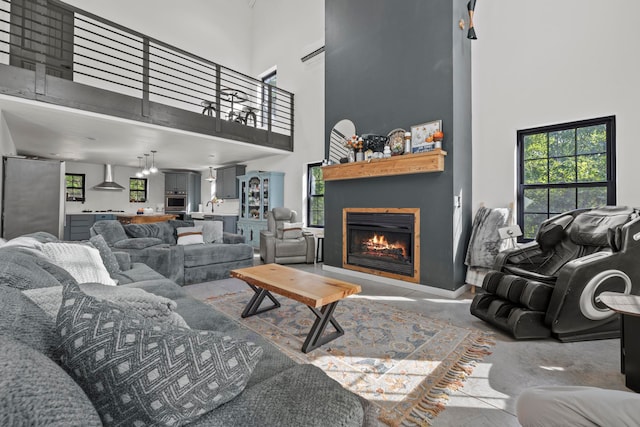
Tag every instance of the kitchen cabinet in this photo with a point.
(227, 183)
(175, 183)
(77, 225)
(259, 193)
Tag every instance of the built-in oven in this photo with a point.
(175, 202)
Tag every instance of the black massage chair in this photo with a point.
(550, 286)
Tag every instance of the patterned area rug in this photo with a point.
(403, 362)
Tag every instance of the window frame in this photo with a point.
(82, 187)
(311, 197)
(609, 183)
(146, 189)
(264, 94)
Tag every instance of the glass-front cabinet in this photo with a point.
(259, 193)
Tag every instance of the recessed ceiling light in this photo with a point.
(212, 155)
(90, 138)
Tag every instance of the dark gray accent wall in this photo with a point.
(393, 64)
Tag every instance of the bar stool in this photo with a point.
(320, 248)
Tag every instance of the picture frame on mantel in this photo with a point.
(419, 133)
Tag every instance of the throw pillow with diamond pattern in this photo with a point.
(140, 373)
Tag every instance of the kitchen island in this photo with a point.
(144, 218)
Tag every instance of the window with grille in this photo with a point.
(564, 167)
(74, 183)
(137, 190)
(315, 196)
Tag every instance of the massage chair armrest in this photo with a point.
(524, 253)
(630, 235)
(580, 281)
(232, 238)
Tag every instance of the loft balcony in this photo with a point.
(55, 53)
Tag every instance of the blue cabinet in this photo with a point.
(77, 225)
(259, 193)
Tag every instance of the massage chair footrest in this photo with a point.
(518, 321)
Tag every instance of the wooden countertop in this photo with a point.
(127, 218)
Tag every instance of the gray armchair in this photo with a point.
(285, 246)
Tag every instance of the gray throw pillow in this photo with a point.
(212, 231)
(137, 372)
(160, 230)
(34, 391)
(108, 258)
(134, 300)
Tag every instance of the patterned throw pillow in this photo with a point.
(291, 230)
(108, 258)
(83, 262)
(137, 372)
(190, 235)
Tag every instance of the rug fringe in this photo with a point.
(434, 398)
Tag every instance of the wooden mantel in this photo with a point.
(432, 161)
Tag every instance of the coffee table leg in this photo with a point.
(253, 306)
(323, 316)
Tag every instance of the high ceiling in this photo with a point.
(48, 131)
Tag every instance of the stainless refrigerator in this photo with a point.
(33, 196)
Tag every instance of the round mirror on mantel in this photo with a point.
(341, 131)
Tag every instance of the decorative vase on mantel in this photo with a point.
(359, 155)
(351, 156)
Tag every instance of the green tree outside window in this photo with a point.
(564, 167)
(137, 190)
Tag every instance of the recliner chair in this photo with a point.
(550, 286)
(281, 246)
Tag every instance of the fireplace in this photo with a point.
(382, 241)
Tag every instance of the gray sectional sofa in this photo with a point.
(155, 245)
(35, 388)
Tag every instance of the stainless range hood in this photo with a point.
(108, 183)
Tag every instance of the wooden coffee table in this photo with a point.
(321, 294)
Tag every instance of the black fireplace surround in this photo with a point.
(381, 241)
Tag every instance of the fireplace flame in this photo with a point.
(380, 243)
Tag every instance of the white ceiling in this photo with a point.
(48, 131)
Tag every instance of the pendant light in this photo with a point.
(153, 168)
(139, 172)
(210, 178)
(145, 171)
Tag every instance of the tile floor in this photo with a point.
(489, 394)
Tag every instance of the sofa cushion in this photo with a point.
(140, 302)
(138, 243)
(108, 258)
(215, 253)
(110, 229)
(34, 391)
(160, 230)
(212, 231)
(22, 270)
(81, 261)
(287, 399)
(24, 321)
(189, 235)
(137, 372)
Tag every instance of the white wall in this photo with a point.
(116, 200)
(218, 30)
(544, 62)
(282, 29)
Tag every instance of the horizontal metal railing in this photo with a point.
(88, 49)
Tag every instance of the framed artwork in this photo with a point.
(420, 134)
